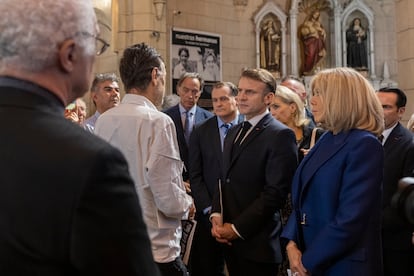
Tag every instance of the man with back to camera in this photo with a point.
(205, 159)
(105, 95)
(147, 138)
(398, 143)
(68, 203)
(186, 114)
(259, 160)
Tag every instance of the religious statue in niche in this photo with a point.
(313, 36)
(270, 45)
(356, 50)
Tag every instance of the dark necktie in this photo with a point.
(246, 126)
(381, 138)
(187, 127)
(226, 128)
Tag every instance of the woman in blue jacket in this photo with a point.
(335, 226)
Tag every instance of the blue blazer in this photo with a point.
(200, 115)
(336, 197)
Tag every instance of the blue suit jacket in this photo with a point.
(338, 187)
(200, 115)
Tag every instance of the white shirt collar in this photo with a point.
(386, 133)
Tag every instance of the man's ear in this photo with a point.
(268, 98)
(154, 75)
(401, 111)
(67, 55)
(94, 96)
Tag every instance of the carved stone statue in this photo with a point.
(270, 46)
(356, 51)
(313, 36)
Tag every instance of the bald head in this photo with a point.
(295, 86)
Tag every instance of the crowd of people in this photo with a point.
(277, 178)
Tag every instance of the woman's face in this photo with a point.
(183, 57)
(210, 62)
(282, 111)
(316, 15)
(317, 106)
(357, 22)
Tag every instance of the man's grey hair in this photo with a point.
(100, 78)
(31, 31)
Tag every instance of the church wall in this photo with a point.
(135, 21)
(405, 50)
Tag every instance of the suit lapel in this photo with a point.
(394, 138)
(257, 129)
(177, 119)
(216, 142)
(228, 147)
(331, 145)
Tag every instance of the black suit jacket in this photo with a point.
(307, 136)
(200, 115)
(254, 187)
(398, 163)
(205, 162)
(67, 203)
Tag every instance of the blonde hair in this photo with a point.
(288, 96)
(349, 100)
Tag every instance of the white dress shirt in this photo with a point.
(148, 140)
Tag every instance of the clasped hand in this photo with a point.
(223, 233)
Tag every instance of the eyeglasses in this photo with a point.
(101, 45)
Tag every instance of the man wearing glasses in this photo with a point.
(68, 203)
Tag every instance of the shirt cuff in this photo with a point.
(215, 215)
(207, 210)
(235, 231)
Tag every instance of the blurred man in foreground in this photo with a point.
(68, 205)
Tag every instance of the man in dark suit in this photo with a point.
(398, 251)
(259, 160)
(68, 203)
(187, 113)
(205, 164)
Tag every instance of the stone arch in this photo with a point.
(359, 7)
(271, 9)
(293, 15)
